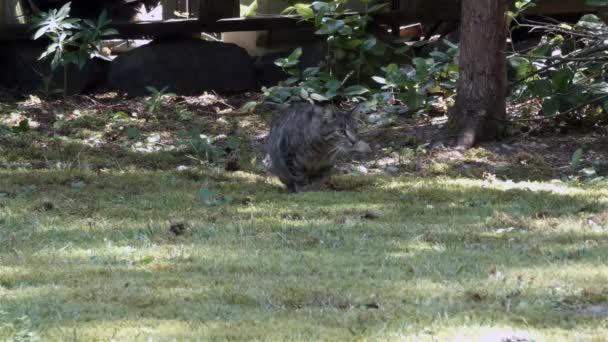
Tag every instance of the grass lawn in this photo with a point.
(102, 238)
(141, 255)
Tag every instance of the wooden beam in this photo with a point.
(449, 10)
(178, 27)
(439, 10)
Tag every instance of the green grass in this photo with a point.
(89, 257)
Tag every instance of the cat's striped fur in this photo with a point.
(306, 139)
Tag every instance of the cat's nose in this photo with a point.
(362, 147)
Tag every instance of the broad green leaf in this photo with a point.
(64, 11)
(249, 106)
(550, 106)
(295, 55)
(309, 72)
(379, 79)
(540, 88)
(523, 66)
(109, 32)
(41, 32)
(333, 85)
(590, 21)
(304, 94)
(304, 10)
(377, 7)
(318, 97)
(577, 156)
(355, 90)
(370, 43)
(440, 56)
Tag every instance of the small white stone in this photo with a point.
(362, 169)
(374, 118)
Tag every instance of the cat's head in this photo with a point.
(340, 131)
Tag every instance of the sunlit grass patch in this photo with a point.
(90, 255)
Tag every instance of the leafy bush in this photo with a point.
(352, 51)
(353, 65)
(413, 84)
(155, 99)
(312, 84)
(73, 40)
(566, 71)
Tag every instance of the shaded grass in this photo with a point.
(445, 258)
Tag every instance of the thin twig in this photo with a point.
(582, 105)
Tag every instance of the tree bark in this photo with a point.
(480, 108)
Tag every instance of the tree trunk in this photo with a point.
(479, 112)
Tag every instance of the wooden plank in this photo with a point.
(179, 27)
(449, 10)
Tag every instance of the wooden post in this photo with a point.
(395, 29)
(193, 8)
(211, 11)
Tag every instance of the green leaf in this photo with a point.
(295, 55)
(147, 260)
(41, 32)
(64, 11)
(310, 72)
(109, 32)
(120, 115)
(304, 93)
(561, 79)
(440, 56)
(577, 156)
(402, 50)
(304, 10)
(370, 43)
(249, 107)
(590, 21)
(377, 8)
(550, 106)
(523, 67)
(24, 126)
(318, 97)
(251, 10)
(540, 88)
(333, 85)
(152, 90)
(355, 90)
(597, 3)
(233, 142)
(320, 5)
(379, 79)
